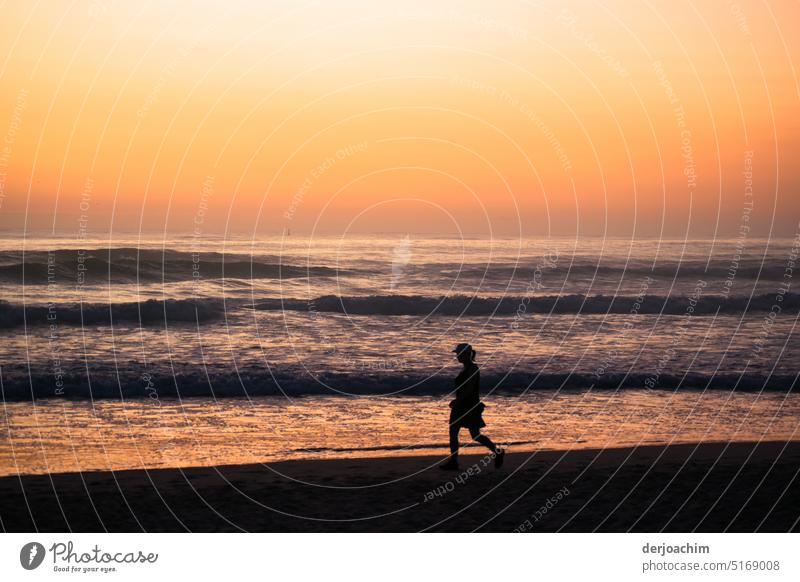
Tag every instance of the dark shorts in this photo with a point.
(471, 418)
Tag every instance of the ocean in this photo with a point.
(150, 351)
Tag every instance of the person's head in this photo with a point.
(465, 354)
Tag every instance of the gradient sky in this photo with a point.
(539, 118)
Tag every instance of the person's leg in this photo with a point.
(454, 440)
(452, 462)
(476, 435)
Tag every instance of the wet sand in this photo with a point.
(695, 487)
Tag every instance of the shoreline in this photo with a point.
(737, 486)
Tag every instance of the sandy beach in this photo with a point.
(687, 487)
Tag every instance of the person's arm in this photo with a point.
(462, 386)
(475, 385)
(469, 390)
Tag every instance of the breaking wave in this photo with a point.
(150, 312)
(130, 265)
(584, 267)
(561, 304)
(161, 383)
(154, 312)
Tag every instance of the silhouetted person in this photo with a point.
(467, 409)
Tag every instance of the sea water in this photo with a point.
(131, 351)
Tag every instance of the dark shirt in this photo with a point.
(468, 387)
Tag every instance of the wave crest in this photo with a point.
(152, 311)
(504, 306)
(18, 385)
(130, 265)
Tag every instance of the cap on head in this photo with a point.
(460, 348)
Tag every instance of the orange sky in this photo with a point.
(535, 117)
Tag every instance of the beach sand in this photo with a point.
(686, 487)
